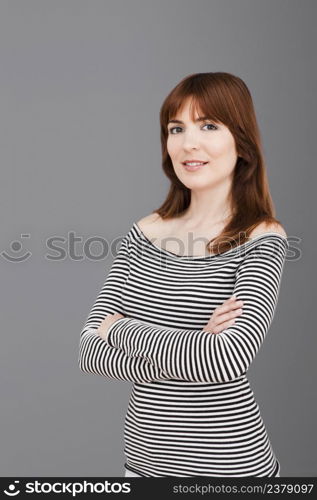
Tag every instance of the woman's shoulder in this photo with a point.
(265, 227)
(148, 220)
(152, 225)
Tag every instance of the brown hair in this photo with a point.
(224, 98)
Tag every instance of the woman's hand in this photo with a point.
(224, 315)
(102, 329)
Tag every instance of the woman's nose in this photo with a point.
(190, 142)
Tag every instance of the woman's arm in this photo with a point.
(95, 355)
(198, 356)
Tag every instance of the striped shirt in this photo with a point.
(191, 410)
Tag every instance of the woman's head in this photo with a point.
(232, 148)
(194, 136)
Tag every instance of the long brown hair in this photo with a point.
(224, 98)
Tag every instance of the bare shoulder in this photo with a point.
(147, 222)
(264, 227)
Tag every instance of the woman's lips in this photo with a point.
(193, 168)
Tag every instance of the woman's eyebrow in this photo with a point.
(200, 119)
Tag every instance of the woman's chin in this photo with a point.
(197, 183)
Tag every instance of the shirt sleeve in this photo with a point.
(199, 356)
(95, 355)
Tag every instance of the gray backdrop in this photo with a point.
(81, 87)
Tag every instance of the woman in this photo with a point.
(184, 320)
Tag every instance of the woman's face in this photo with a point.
(206, 141)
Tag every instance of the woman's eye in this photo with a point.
(171, 130)
(210, 125)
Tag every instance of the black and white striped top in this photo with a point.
(191, 410)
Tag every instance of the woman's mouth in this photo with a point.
(193, 166)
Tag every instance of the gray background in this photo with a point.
(81, 87)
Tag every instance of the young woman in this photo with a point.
(192, 292)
